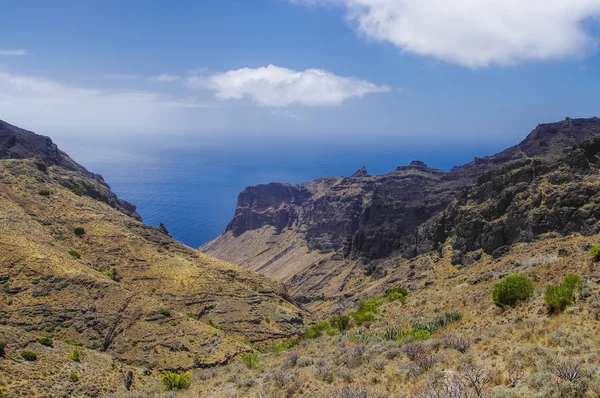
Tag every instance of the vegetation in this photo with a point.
(29, 355)
(44, 192)
(512, 290)
(74, 376)
(79, 231)
(112, 274)
(595, 252)
(165, 312)
(74, 254)
(2, 349)
(559, 297)
(340, 322)
(47, 341)
(397, 294)
(75, 355)
(367, 311)
(176, 381)
(250, 359)
(316, 330)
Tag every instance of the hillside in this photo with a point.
(77, 264)
(333, 237)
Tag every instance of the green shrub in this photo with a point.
(29, 355)
(79, 231)
(514, 289)
(176, 381)
(47, 341)
(76, 191)
(74, 376)
(2, 349)
(340, 322)
(75, 355)
(44, 192)
(316, 330)
(559, 297)
(165, 312)
(414, 335)
(250, 359)
(112, 274)
(74, 254)
(397, 293)
(595, 252)
(367, 310)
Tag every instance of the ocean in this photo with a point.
(194, 191)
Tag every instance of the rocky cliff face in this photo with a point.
(17, 143)
(344, 223)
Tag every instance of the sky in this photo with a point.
(117, 75)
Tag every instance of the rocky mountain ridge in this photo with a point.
(312, 234)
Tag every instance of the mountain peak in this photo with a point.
(362, 172)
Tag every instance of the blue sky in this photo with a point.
(356, 72)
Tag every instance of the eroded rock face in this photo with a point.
(414, 209)
(520, 203)
(17, 143)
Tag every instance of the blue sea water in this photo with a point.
(194, 191)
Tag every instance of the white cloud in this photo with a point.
(477, 33)
(26, 99)
(18, 52)
(274, 86)
(164, 78)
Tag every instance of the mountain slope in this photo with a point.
(323, 237)
(77, 266)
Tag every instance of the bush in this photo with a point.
(397, 293)
(514, 289)
(559, 297)
(250, 359)
(74, 254)
(2, 349)
(75, 355)
(341, 322)
(79, 231)
(44, 192)
(165, 312)
(113, 274)
(47, 341)
(176, 381)
(595, 252)
(74, 376)
(316, 330)
(367, 311)
(29, 355)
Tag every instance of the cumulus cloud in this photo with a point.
(274, 86)
(477, 33)
(18, 52)
(164, 78)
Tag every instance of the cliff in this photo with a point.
(320, 237)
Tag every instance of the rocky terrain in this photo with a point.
(78, 266)
(399, 273)
(329, 237)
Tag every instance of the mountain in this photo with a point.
(78, 265)
(331, 237)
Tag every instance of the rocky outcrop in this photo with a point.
(363, 219)
(17, 143)
(520, 202)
